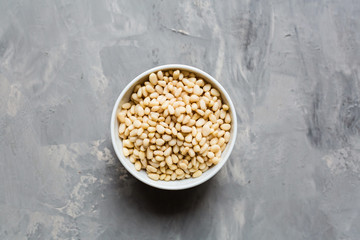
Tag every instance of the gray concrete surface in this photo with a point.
(291, 68)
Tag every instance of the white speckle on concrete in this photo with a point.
(14, 100)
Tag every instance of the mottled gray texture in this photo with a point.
(291, 68)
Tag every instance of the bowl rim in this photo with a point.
(201, 179)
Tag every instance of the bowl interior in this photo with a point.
(141, 175)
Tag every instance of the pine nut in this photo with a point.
(225, 127)
(215, 148)
(150, 168)
(138, 165)
(196, 174)
(154, 176)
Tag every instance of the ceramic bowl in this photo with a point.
(141, 175)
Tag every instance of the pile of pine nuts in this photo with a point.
(175, 126)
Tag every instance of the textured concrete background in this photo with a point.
(291, 68)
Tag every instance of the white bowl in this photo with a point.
(141, 175)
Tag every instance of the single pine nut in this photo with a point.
(149, 154)
(160, 129)
(197, 90)
(200, 122)
(215, 148)
(151, 169)
(202, 104)
(227, 118)
(191, 152)
(188, 138)
(215, 92)
(126, 152)
(183, 165)
(168, 151)
(176, 74)
(202, 166)
(198, 136)
(179, 171)
(197, 148)
(174, 158)
(214, 141)
(158, 153)
(188, 110)
(122, 128)
(172, 142)
(168, 160)
(160, 75)
(186, 118)
(153, 79)
(186, 129)
(191, 122)
(159, 158)
(221, 133)
(202, 141)
(215, 160)
(221, 142)
(173, 167)
(166, 137)
(127, 122)
(126, 106)
(206, 130)
(197, 174)
(227, 137)
(138, 165)
(194, 98)
(171, 110)
(154, 176)
(204, 148)
(225, 127)
(151, 129)
(200, 112)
